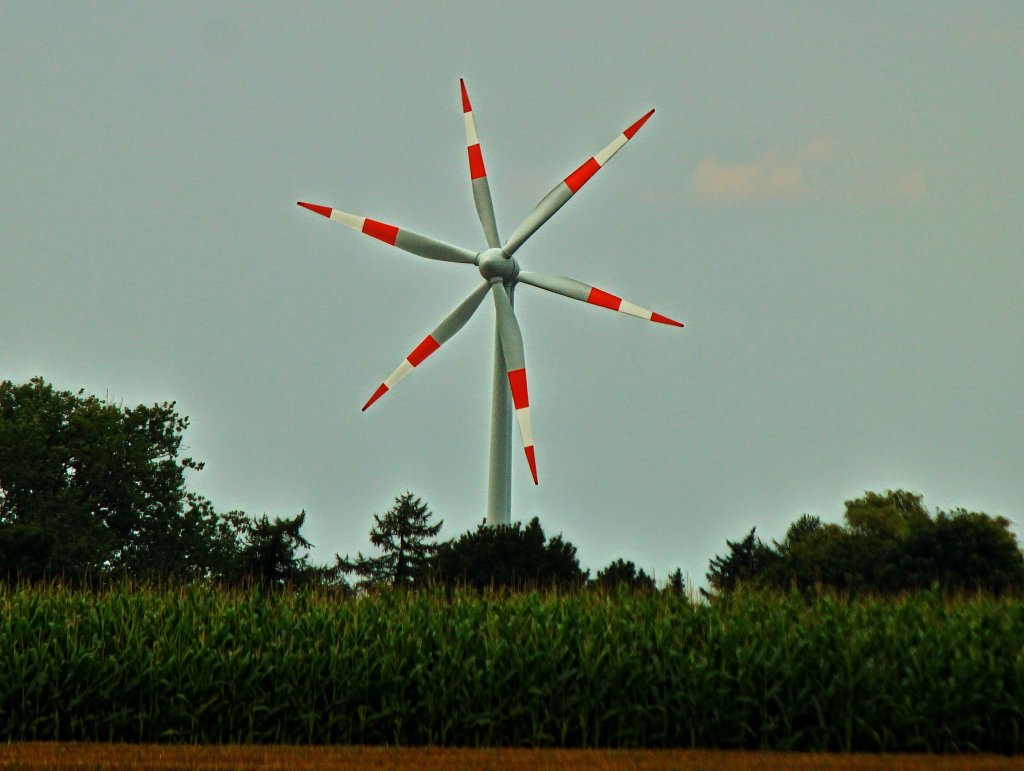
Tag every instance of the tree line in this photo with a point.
(513, 556)
(889, 543)
(94, 492)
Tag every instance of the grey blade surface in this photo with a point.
(443, 332)
(422, 246)
(508, 329)
(569, 186)
(541, 213)
(515, 362)
(577, 290)
(485, 209)
(457, 319)
(569, 287)
(478, 172)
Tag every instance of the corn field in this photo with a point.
(757, 671)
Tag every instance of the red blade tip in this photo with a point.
(376, 395)
(532, 460)
(665, 320)
(636, 126)
(322, 210)
(466, 107)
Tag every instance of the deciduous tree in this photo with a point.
(623, 574)
(747, 562)
(510, 557)
(91, 488)
(891, 543)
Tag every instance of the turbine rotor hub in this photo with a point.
(494, 263)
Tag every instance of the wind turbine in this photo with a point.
(501, 274)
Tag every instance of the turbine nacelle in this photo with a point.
(495, 264)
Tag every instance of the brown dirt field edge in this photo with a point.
(117, 757)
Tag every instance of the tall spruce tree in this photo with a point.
(405, 536)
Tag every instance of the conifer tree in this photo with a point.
(405, 536)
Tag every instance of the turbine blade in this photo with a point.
(577, 290)
(444, 331)
(478, 174)
(411, 242)
(567, 188)
(515, 362)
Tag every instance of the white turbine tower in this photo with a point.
(501, 274)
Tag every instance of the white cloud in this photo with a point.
(766, 178)
(821, 167)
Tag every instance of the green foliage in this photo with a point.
(965, 550)
(623, 575)
(95, 492)
(89, 488)
(676, 585)
(804, 530)
(746, 561)
(758, 671)
(406, 537)
(269, 555)
(508, 556)
(888, 517)
(890, 543)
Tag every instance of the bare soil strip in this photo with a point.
(89, 757)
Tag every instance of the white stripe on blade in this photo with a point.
(345, 218)
(634, 310)
(471, 137)
(616, 144)
(403, 369)
(525, 426)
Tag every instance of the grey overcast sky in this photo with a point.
(829, 196)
